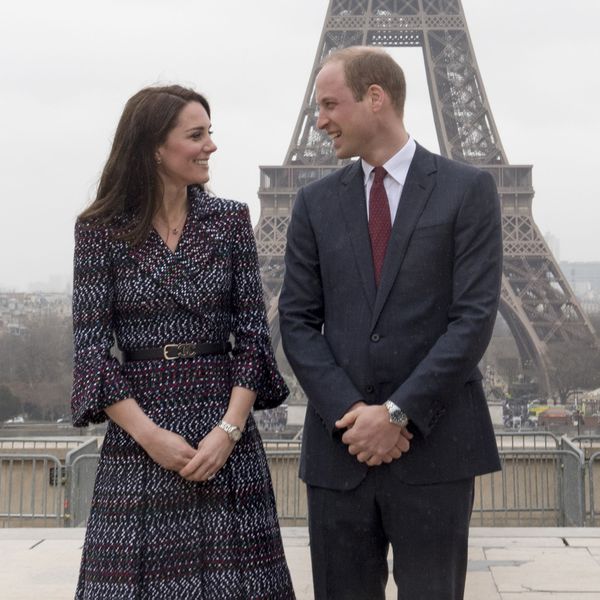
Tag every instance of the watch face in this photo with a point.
(232, 431)
(397, 415)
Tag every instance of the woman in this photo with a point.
(183, 506)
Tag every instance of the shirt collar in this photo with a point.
(397, 166)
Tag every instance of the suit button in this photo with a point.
(370, 389)
(375, 337)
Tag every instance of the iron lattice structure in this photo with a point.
(536, 302)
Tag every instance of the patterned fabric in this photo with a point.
(151, 534)
(380, 221)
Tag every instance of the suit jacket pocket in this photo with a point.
(431, 230)
(429, 253)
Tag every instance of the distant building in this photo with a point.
(553, 243)
(584, 278)
(18, 309)
(53, 284)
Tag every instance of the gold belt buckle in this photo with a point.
(179, 351)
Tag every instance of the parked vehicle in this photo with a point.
(18, 419)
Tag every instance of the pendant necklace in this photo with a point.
(177, 229)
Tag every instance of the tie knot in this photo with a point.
(380, 173)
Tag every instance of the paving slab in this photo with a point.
(504, 563)
(295, 536)
(298, 558)
(587, 542)
(516, 532)
(545, 570)
(549, 596)
(481, 586)
(476, 553)
(10, 547)
(524, 542)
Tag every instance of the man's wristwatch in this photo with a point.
(232, 431)
(397, 415)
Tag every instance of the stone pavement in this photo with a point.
(504, 563)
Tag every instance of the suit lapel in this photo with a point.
(416, 192)
(353, 207)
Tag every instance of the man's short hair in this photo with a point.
(365, 66)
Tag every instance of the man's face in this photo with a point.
(346, 121)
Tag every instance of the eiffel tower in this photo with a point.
(536, 302)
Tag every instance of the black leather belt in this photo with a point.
(175, 351)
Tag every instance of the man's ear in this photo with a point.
(376, 96)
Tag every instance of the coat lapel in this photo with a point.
(354, 209)
(169, 270)
(416, 192)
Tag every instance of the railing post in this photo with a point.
(82, 477)
(72, 506)
(572, 491)
(595, 457)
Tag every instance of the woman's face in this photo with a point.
(183, 158)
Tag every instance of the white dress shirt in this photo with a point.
(397, 168)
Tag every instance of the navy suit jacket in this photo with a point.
(417, 339)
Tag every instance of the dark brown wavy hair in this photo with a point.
(130, 186)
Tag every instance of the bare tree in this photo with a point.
(574, 367)
(10, 406)
(37, 367)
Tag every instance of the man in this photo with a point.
(389, 298)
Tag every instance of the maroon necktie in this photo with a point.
(380, 221)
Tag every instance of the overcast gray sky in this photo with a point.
(68, 66)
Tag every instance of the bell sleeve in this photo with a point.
(97, 378)
(254, 365)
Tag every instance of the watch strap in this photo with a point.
(233, 431)
(397, 415)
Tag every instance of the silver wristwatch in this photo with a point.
(234, 432)
(397, 415)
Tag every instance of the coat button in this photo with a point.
(370, 389)
(375, 337)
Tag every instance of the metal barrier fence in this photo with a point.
(31, 490)
(81, 463)
(35, 478)
(290, 490)
(587, 443)
(539, 485)
(542, 440)
(590, 446)
(573, 488)
(533, 489)
(80, 488)
(542, 483)
(594, 490)
(45, 443)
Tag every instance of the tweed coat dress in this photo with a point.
(152, 534)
